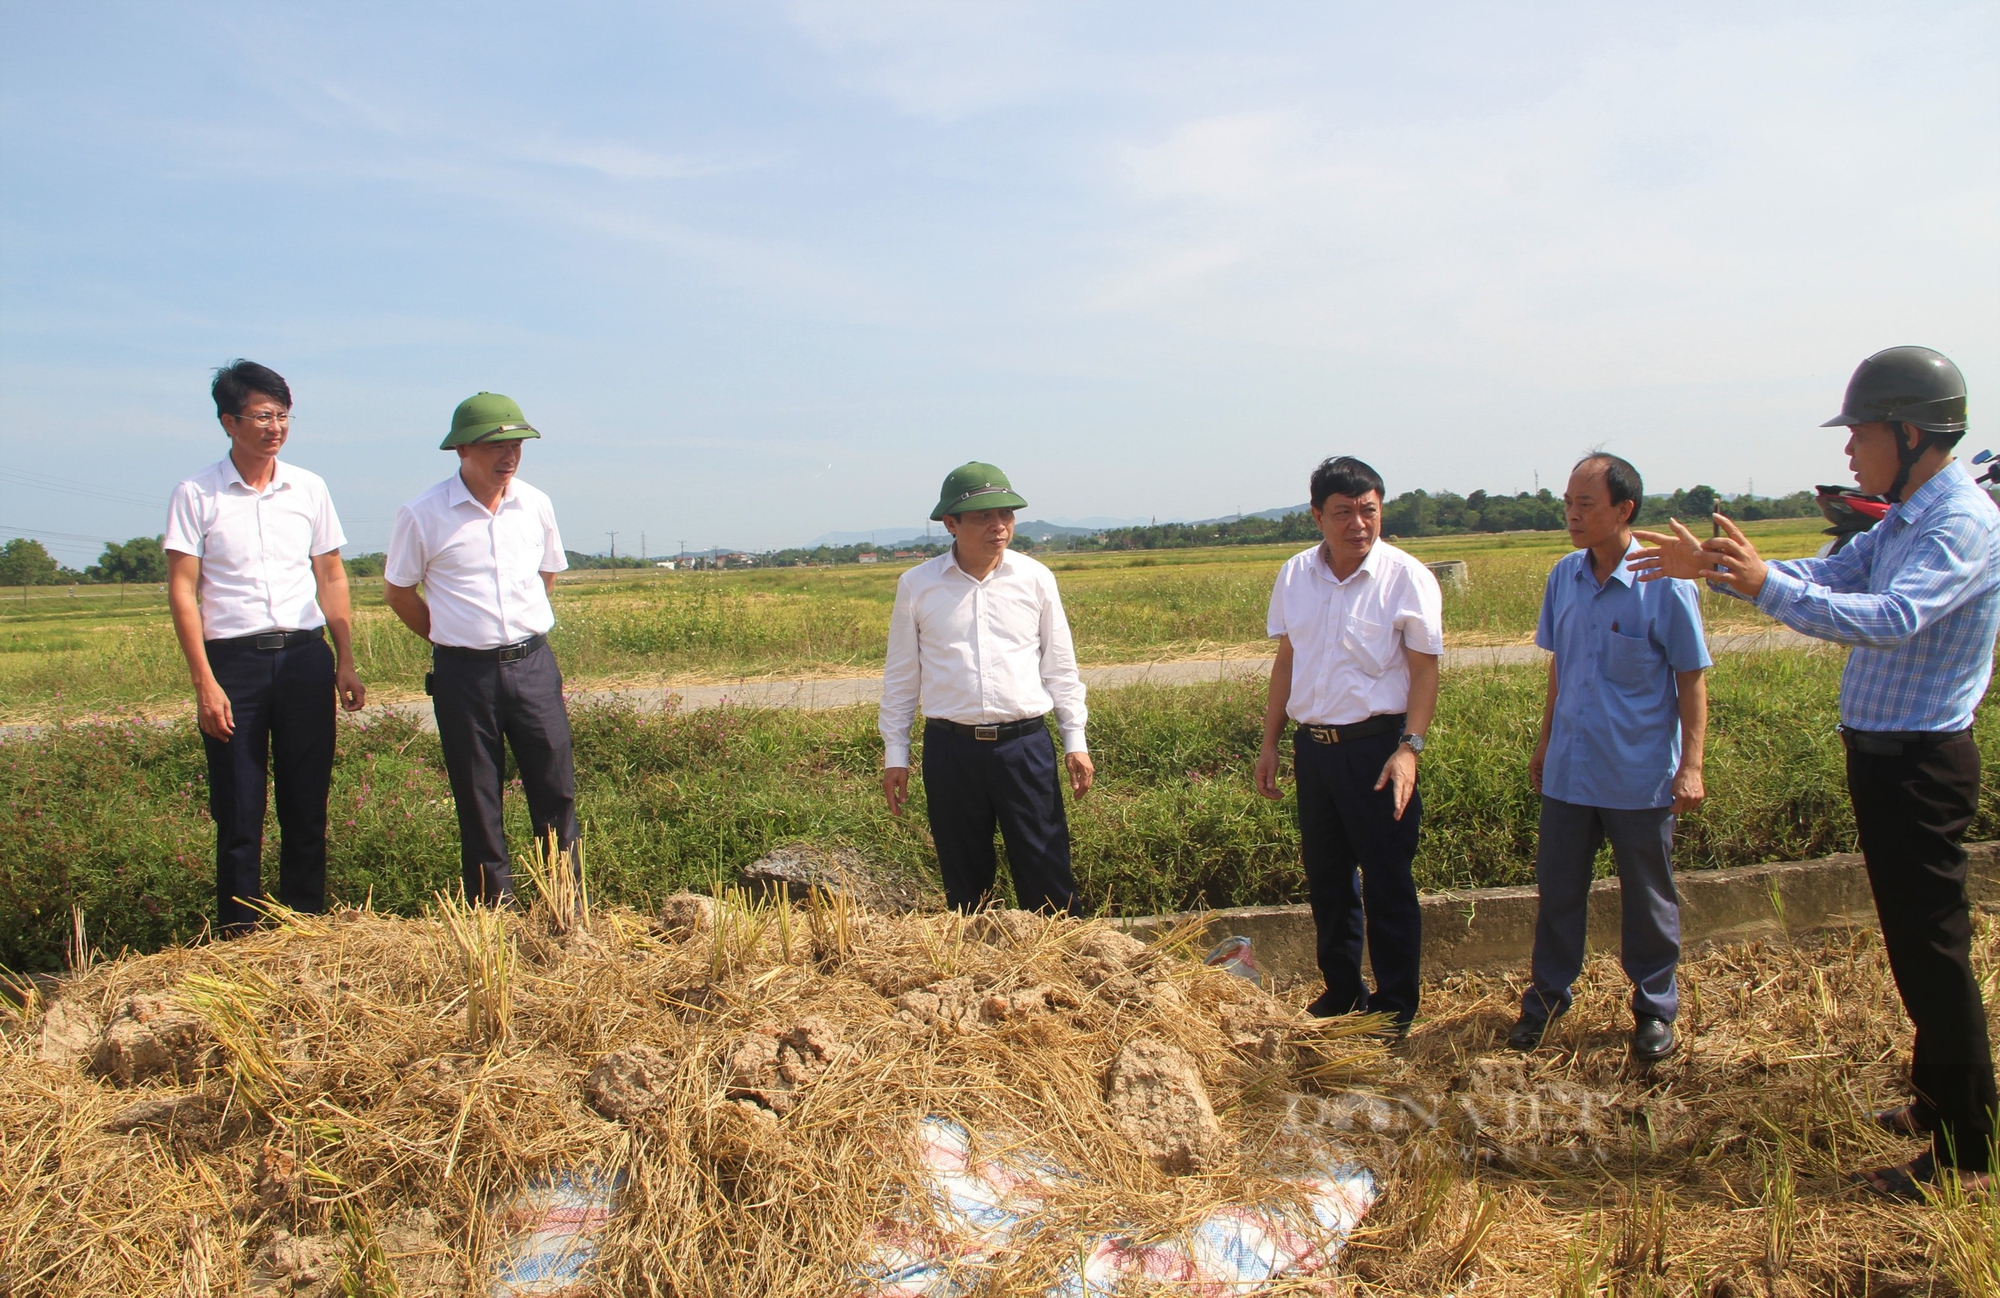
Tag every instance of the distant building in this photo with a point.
(906, 554)
(664, 563)
(868, 556)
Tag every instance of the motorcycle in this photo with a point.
(1851, 512)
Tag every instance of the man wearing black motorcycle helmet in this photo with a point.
(1917, 600)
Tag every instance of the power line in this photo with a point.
(43, 482)
(38, 533)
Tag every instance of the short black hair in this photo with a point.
(1343, 475)
(236, 381)
(1621, 480)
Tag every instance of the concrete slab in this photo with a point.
(1494, 928)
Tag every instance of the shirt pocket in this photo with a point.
(1374, 646)
(1631, 661)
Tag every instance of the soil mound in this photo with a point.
(352, 1102)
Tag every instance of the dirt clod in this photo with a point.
(1005, 928)
(68, 1033)
(1157, 1100)
(159, 1111)
(294, 1266)
(775, 1068)
(686, 914)
(151, 1036)
(629, 1082)
(277, 1180)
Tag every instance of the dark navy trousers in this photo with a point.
(1911, 813)
(972, 786)
(482, 705)
(282, 703)
(1356, 851)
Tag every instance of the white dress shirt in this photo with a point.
(256, 547)
(1348, 637)
(979, 652)
(481, 571)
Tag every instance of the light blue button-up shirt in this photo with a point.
(1917, 596)
(1615, 740)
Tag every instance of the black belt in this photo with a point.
(506, 653)
(1894, 743)
(268, 640)
(1005, 730)
(1376, 725)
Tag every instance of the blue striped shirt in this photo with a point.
(1916, 597)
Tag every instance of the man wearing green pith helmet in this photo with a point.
(484, 547)
(978, 637)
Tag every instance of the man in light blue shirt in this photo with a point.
(1619, 756)
(1917, 599)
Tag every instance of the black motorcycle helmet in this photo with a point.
(1907, 385)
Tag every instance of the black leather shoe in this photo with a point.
(1527, 1034)
(1652, 1038)
(1395, 1034)
(1324, 1007)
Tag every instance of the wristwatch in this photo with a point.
(1415, 742)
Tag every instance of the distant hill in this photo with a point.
(889, 537)
(1303, 507)
(880, 536)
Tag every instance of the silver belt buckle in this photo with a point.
(513, 653)
(271, 640)
(986, 732)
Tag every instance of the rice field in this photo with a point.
(107, 648)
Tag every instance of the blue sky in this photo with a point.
(762, 271)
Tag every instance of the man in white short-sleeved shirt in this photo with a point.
(1359, 626)
(484, 547)
(978, 636)
(255, 585)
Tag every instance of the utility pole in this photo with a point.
(642, 547)
(614, 543)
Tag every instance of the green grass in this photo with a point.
(112, 817)
(103, 649)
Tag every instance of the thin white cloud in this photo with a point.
(621, 161)
(941, 59)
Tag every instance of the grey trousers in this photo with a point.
(1650, 935)
(480, 706)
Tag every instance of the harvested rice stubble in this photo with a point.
(344, 1094)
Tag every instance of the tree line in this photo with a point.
(26, 562)
(1446, 513)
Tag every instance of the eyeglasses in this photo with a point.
(283, 419)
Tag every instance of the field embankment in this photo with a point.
(113, 818)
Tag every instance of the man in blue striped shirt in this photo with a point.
(1917, 599)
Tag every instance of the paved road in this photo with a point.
(848, 691)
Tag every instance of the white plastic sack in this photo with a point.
(976, 1210)
(551, 1231)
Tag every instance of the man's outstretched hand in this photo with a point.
(1727, 560)
(1671, 554)
(1733, 561)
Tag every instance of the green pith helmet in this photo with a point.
(488, 417)
(975, 486)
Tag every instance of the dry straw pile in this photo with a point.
(335, 1105)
